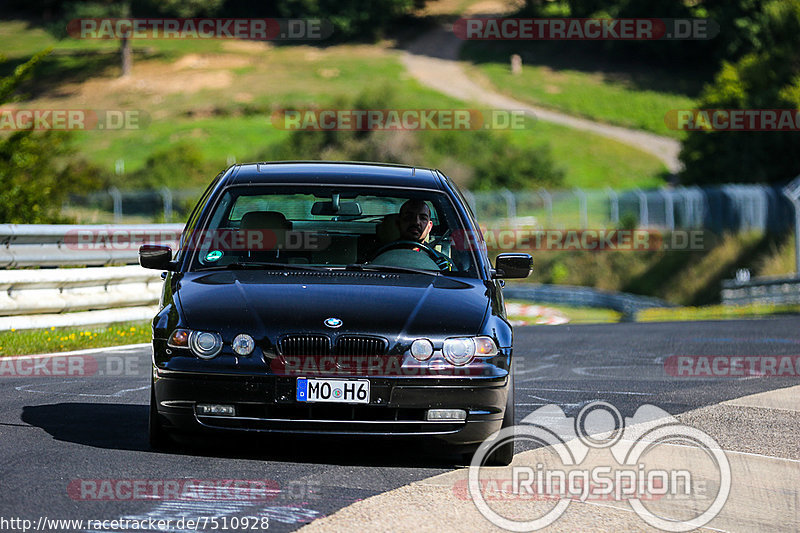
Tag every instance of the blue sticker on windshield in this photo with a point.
(213, 255)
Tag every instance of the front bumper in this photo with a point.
(397, 406)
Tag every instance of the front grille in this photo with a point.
(305, 345)
(350, 345)
(360, 346)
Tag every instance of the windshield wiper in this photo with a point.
(253, 265)
(389, 268)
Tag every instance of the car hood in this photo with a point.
(386, 304)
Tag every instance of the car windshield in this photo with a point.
(318, 227)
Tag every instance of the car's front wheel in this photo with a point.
(503, 454)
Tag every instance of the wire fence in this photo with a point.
(724, 208)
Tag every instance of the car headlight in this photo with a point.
(243, 344)
(422, 349)
(460, 351)
(205, 345)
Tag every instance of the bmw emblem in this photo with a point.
(333, 322)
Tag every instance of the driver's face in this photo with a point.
(415, 223)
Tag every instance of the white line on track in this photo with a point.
(24, 388)
(116, 349)
(630, 393)
(534, 369)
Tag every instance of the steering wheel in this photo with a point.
(437, 258)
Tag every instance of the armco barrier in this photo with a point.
(27, 292)
(765, 290)
(24, 245)
(45, 297)
(627, 304)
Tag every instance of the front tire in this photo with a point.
(504, 454)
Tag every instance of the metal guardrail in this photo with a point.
(38, 297)
(24, 245)
(25, 293)
(625, 303)
(764, 290)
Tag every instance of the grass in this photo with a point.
(25, 342)
(576, 315)
(779, 260)
(588, 315)
(218, 95)
(635, 98)
(715, 312)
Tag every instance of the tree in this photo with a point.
(35, 176)
(766, 78)
(127, 9)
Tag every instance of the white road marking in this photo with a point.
(534, 369)
(100, 351)
(24, 388)
(630, 393)
(587, 370)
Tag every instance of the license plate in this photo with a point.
(333, 390)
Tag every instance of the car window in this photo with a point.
(330, 227)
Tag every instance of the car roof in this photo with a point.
(334, 172)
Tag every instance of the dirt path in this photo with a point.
(433, 60)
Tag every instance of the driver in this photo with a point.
(414, 224)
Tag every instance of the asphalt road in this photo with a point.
(71, 447)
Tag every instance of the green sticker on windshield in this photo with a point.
(213, 255)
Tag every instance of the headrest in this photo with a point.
(264, 220)
(387, 230)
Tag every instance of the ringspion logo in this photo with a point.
(674, 477)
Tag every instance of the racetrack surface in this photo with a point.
(57, 431)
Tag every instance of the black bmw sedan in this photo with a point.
(333, 298)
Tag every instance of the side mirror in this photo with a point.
(156, 257)
(513, 266)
